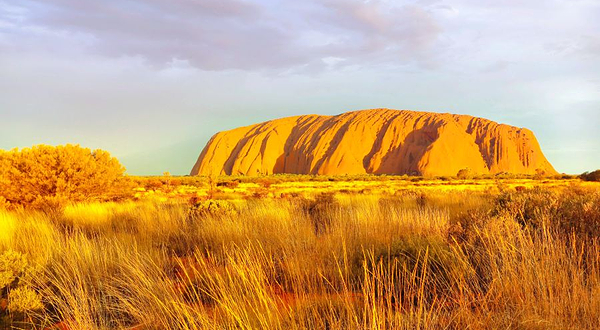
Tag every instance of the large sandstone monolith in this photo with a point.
(379, 141)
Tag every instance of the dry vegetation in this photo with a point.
(295, 252)
(47, 177)
(524, 255)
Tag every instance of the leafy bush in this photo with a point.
(578, 211)
(464, 173)
(591, 176)
(528, 207)
(574, 210)
(46, 177)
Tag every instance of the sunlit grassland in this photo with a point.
(283, 186)
(312, 254)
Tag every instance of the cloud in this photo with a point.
(229, 34)
(585, 46)
(378, 32)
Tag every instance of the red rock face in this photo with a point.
(379, 141)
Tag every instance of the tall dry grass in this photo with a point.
(437, 261)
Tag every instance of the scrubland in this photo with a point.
(328, 253)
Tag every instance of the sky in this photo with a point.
(151, 81)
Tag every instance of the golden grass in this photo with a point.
(419, 259)
(282, 186)
(8, 226)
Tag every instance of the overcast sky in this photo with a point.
(151, 80)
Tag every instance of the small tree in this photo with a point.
(167, 178)
(46, 176)
(464, 173)
(212, 184)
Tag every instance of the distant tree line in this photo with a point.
(590, 176)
